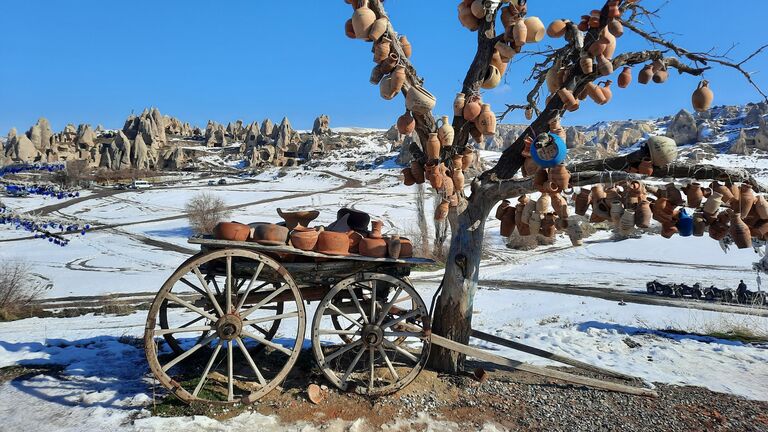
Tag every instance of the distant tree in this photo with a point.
(565, 76)
(204, 211)
(17, 292)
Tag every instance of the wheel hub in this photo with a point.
(229, 327)
(373, 335)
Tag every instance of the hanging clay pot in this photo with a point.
(576, 233)
(349, 30)
(406, 124)
(736, 192)
(548, 228)
(556, 29)
(433, 147)
(333, 243)
(627, 222)
(645, 75)
(543, 204)
(582, 201)
(645, 167)
(472, 109)
(559, 205)
(739, 231)
(492, 77)
(668, 230)
(508, 16)
(447, 186)
(502, 207)
(394, 246)
(397, 78)
(408, 179)
(497, 62)
(699, 224)
(362, 21)
(417, 171)
(595, 93)
(388, 65)
(643, 214)
(536, 29)
(373, 247)
(441, 212)
(436, 176)
(467, 18)
(746, 199)
(718, 229)
(478, 9)
(566, 96)
(663, 150)
(616, 28)
(584, 23)
(419, 100)
(594, 18)
(467, 158)
(684, 224)
(232, 231)
(673, 195)
(713, 203)
(378, 29)
(519, 33)
(486, 121)
(458, 104)
(445, 132)
(381, 50)
(604, 66)
(540, 178)
(761, 206)
(694, 194)
(457, 161)
(587, 63)
(505, 51)
(625, 77)
(660, 73)
(458, 179)
(508, 221)
(406, 46)
(385, 88)
(725, 192)
(702, 97)
(529, 167)
(760, 230)
(528, 113)
(560, 175)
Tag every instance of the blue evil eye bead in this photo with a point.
(87, 226)
(548, 150)
(82, 232)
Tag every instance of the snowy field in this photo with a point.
(104, 383)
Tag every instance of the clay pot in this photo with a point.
(520, 223)
(419, 100)
(746, 200)
(674, 195)
(467, 158)
(556, 29)
(406, 46)
(560, 176)
(645, 75)
(660, 73)
(408, 179)
(433, 147)
(385, 88)
(378, 29)
(505, 51)
(548, 228)
(293, 219)
(467, 18)
(584, 23)
(569, 101)
(492, 77)
(373, 247)
(713, 203)
(362, 21)
(668, 230)
(736, 192)
(445, 132)
(528, 209)
(406, 124)
(349, 30)
(702, 97)
(739, 231)
(354, 241)
(761, 207)
(232, 231)
(627, 222)
(594, 19)
(616, 211)
(543, 204)
(694, 194)
(604, 65)
(529, 167)
(269, 234)
(663, 150)
(597, 193)
(498, 63)
(625, 77)
(406, 248)
(394, 246)
(458, 104)
(441, 212)
(457, 160)
(478, 9)
(534, 223)
(576, 234)
(587, 63)
(643, 214)
(760, 230)
(486, 121)
(417, 171)
(616, 28)
(718, 230)
(699, 224)
(458, 180)
(595, 93)
(304, 239)
(724, 191)
(397, 79)
(536, 29)
(582, 201)
(376, 227)
(508, 221)
(540, 178)
(528, 113)
(645, 167)
(519, 33)
(559, 205)
(503, 205)
(381, 50)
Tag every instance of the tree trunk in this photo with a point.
(453, 312)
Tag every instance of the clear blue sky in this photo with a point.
(90, 61)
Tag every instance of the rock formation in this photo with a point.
(740, 145)
(683, 128)
(321, 125)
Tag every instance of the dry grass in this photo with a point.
(204, 211)
(18, 292)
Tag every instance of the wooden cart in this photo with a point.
(228, 325)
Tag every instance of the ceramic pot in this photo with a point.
(576, 234)
(528, 113)
(566, 96)
(616, 28)
(735, 191)
(625, 77)
(406, 46)
(587, 63)
(502, 207)
(303, 218)
(434, 175)
(354, 241)
(270, 234)
(627, 222)
(388, 65)
(663, 150)
(760, 230)
(333, 243)
(417, 171)
(441, 212)
(604, 65)
(559, 205)
(560, 176)
(660, 73)
(674, 195)
(643, 214)
(486, 121)
(668, 230)
(381, 50)
(519, 33)
(594, 19)
(362, 21)
(702, 97)
(505, 51)
(508, 16)
(419, 100)
(606, 91)
(458, 104)
(397, 79)
(492, 77)
(595, 93)
(457, 160)
(478, 9)
(406, 248)
(408, 179)
(385, 88)
(761, 207)
(540, 178)
(699, 224)
(548, 228)
(458, 180)
(393, 246)
(467, 158)
(349, 30)
(597, 193)
(645, 167)
(378, 29)
(528, 209)
(508, 221)
(694, 194)
(746, 199)
(739, 231)
(536, 29)
(724, 191)
(445, 132)
(529, 167)
(232, 231)
(556, 29)
(520, 223)
(406, 124)
(718, 230)
(433, 147)
(543, 204)
(713, 203)
(645, 75)
(304, 239)
(684, 224)
(584, 23)
(376, 227)
(582, 201)
(534, 223)
(616, 211)
(466, 18)
(373, 247)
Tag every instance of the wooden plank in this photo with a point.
(548, 355)
(549, 373)
(291, 250)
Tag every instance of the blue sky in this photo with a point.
(92, 61)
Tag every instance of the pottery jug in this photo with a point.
(606, 91)
(362, 21)
(566, 96)
(486, 121)
(419, 100)
(501, 208)
(406, 46)
(725, 193)
(739, 231)
(458, 104)
(718, 230)
(556, 28)
(467, 18)
(627, 222)
(385, 88)
(417, 171)
(333, 243)
(584, 23)
(478, 9)
(560, 176)
(660, 73)
(354, 241)
(761, 206)
(668, 230)
(349, 29)
(699, 224)
(457, 160)
(712, 205)
(548, 228)
(582, 201)
(458, 180)
(604, 66)
(616, 28)
(543, 204)
(467, 158)
(694, 194)
(519, 33)
(232, 231)
(408, 178)
(673, 195)
(376, 227)
(373, 247)
(702, 97)
(394, 246)
(643, 214)
(595, 93)
(746, 199)
(645, 75)
(269, 234)
(378, 29)
(559, 205)
(625, 78)
(406, 124)
(381, 50)
(587, 63)
(492, 77)
(433, 147)
(304, 239)
(397, 79)
(445, 132)
(760, 230)
(540, 178)
(536, 29)
(508, 221)
(441, 212)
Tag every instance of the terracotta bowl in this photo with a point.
(303, 218)
(373, 247)
(232, 231)
(304, 239)
(270, 234)
(333, 243)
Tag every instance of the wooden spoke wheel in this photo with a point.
(388, 343)
(237, 301)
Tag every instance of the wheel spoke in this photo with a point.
(189, 352)
(266, 300)
(228, 287)
(342, 350)
(208, 291)
(160, 332)
(204, 376)
(190, 306)
(191, 285)
(332, 307)
(389, 363)
(259, 328)
(403, 334)
(272, 318)
(250, 361)
(357, 304)
(400, 350)
(373, 301)
(371, 366)
(230, 378)
(250, 286)
(401, 318)
(337, 332)
(191, 322)
(352, 365)
(388, 306)
(268, 343)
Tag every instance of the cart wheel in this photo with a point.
(389, 342)
(231, 357)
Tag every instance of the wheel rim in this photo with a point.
(237, 300)
(389, 342)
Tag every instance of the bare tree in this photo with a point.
(17, 292)
(204, 211)
(565, 76)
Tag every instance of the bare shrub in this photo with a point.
(77, 173)
(18, 292)
(204, 211)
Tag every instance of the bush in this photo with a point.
(17, 292)
(204, 211)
